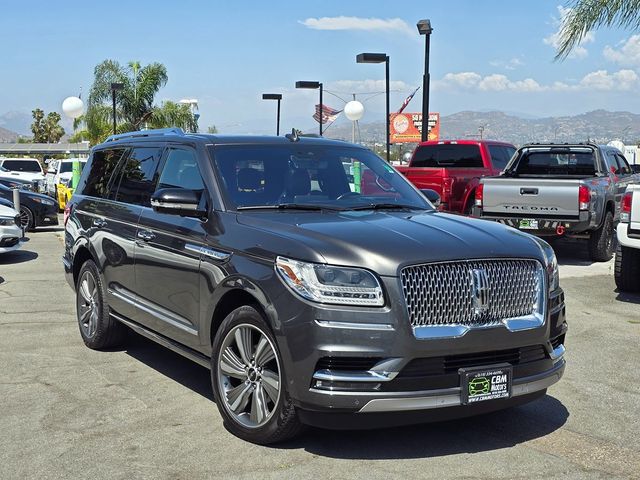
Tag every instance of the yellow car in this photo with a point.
(64, 194)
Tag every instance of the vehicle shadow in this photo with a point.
(571, 252)
(628, 297)
(17, 256)
(170, 364)
(482, 433)
(487, 432)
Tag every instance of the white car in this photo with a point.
(23, 168)
(10, 231)
(61, 171)
(627, 266)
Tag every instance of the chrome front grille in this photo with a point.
(473, 293)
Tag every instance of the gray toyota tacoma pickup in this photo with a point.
(556, 190)
(314, 296)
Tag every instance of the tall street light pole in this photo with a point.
(278, 97)
(313, 86)
(380, 58)
(114, 88)
(424, 28)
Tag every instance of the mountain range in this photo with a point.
(599, 125)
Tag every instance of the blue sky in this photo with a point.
(489, 55)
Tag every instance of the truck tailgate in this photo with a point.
(531, 196)
(424, 177)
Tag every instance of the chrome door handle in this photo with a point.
(146, 235)
(99, 222)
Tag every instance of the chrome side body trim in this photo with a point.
(206, 252)
(165, 342)
(155, 310)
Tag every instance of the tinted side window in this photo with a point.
(137, 179)
(448, 156)
(500, 155)
(181, 171)
(97, 181)
(625, 169)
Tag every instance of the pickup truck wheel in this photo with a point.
(627, 269)
(602, 241)
(97, 328)
(248, 380)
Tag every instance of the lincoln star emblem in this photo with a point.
(479, 291)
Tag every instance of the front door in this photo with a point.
(167, 258)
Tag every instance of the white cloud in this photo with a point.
(511, 64)
(579, 51)
(601, 80)
(627, 55)
(366, 86)
(359, 23)
(622, 80)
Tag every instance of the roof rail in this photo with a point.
(145, 133)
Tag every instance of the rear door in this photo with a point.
(168, 251)
(132, 188)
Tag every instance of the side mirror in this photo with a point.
(177, 201)
(432, 196)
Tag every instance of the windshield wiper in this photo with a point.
(385, 206)
(287, 206)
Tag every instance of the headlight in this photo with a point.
(551, 264)
(330, 284)
(44, 201)
(5, 221)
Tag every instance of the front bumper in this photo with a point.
(322, 344)
(10, 236)
(47, 215)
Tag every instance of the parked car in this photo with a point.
(60, 172)
(26, 169)
(627, 264)
(557, 190)
(311, 302)
(10, 231)
(16, 183)
(453, 168)
(36, 209)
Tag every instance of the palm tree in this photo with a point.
(586, 15)
(172, 114)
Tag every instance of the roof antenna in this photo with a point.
(293, 136)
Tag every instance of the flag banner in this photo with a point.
(407, 127)
(407, 100)
(329, 114)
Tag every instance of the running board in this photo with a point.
(186, 352)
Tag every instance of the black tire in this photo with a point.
(282, 422)
(603, 240)
(627, 269)
(98, 330)
(27, 219)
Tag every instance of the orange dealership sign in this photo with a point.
(407, 127)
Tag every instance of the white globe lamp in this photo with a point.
(72, 107)
(354, 110)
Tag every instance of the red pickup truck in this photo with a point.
(453, 168)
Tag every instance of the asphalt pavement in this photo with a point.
(144, 412)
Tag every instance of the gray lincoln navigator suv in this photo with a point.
(318, 285)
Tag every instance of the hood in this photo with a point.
(28, 176)
(386, 241)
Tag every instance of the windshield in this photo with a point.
(31, 166)
(311, 176)
(557, 162)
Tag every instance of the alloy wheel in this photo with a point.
(88, 304)
(249, 375)
(25, 218)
